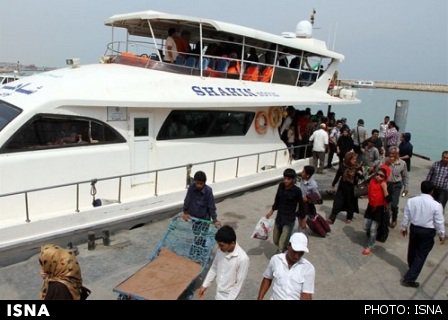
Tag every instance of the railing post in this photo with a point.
(77, 197)
(275, 159)
(258, 161)
(155, 186)
(214, 171)
(119, 190)
(26, 208)
(237, 166)
(188, 179)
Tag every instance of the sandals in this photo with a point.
(366, 252)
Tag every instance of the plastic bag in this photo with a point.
(262, 229)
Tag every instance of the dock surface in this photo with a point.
(342, 272)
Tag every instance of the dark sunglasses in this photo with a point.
(380, 175)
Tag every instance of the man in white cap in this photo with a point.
(292, 275)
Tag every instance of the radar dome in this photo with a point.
(304, 29)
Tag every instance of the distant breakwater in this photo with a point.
(399, 85)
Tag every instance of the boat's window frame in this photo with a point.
(7, 104)
(43, 116)
(213, 128)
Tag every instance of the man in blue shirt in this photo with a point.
(199, 201)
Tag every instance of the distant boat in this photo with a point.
(7, 78)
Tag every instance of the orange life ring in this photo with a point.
(261, 122)
(275, 117)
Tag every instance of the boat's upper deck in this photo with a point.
(210, 48)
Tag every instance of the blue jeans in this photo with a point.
(371, 227)
(394, 189)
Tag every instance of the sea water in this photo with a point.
(427, 116)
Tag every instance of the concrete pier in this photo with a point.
(398, 85)
(342, 272)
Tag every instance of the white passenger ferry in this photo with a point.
(132, 129)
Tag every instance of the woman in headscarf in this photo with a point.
(406, 149)
(61, 274)
(345, 200)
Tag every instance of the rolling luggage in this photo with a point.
(318, 225)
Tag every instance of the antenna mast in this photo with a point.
(312, 17)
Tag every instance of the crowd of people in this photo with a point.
(380, 160)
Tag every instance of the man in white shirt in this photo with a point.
(426, 218)
(383, 129)
(291, 275)
(229, 267)
(320, 146)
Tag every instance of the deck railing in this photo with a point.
(303, 150)
(147, 55)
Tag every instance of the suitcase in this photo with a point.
(318, 225)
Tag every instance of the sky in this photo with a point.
(389, 40)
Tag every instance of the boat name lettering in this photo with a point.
(267, 94)
(226, 91)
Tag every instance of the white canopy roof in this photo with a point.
(160, 22)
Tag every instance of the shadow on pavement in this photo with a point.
(359, 237)
(391, 259)
(265, 247)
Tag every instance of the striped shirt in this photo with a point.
(438, 174)
(399, 173)
(392, 137)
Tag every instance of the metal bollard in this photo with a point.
(91, 240)
(106, 237)
(73, 248)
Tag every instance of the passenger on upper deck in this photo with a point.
(299, 63)
(183, 43)
(282, 60)
(231, 48)
(170, 49)
(252, 56)
(270, 55)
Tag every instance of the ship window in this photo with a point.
(201, 124)
(48, 132)
(141, 127)
(7, 113)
